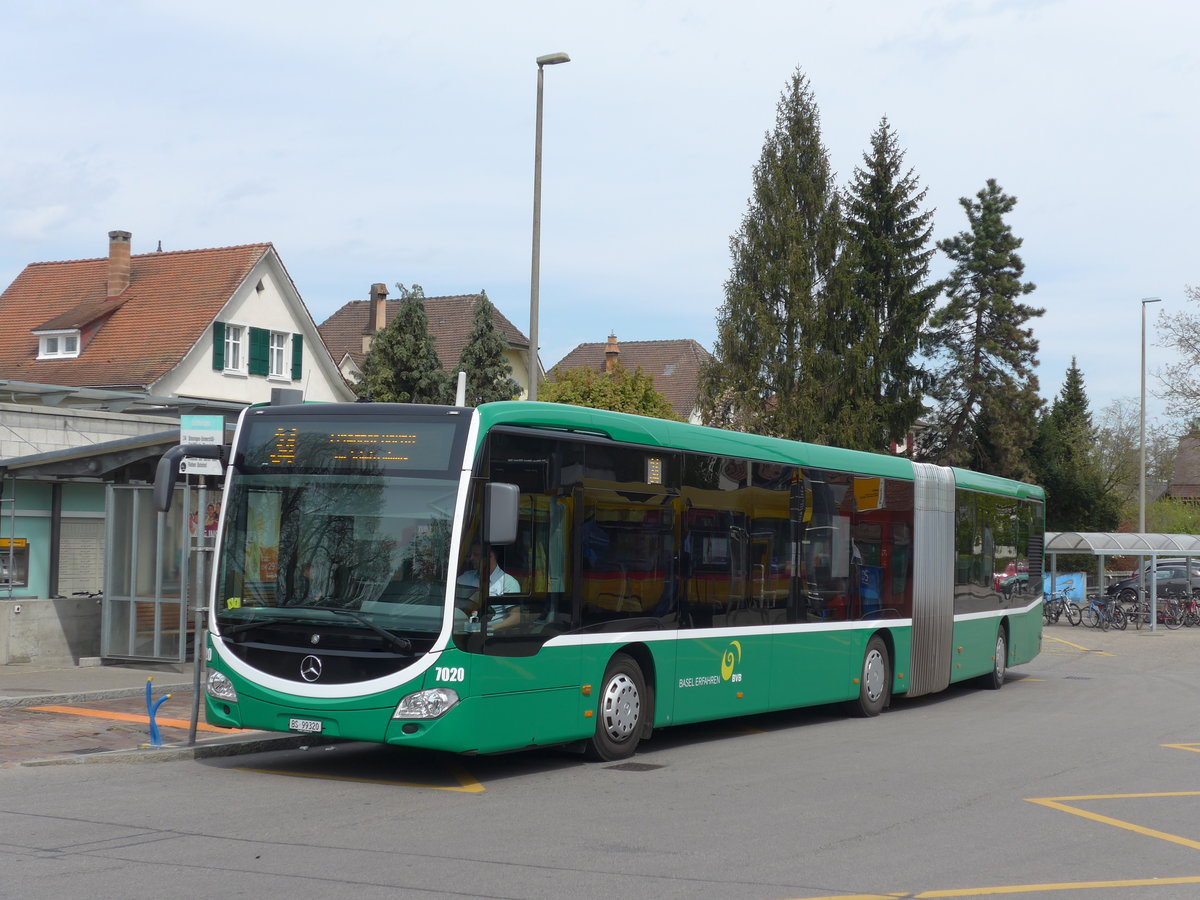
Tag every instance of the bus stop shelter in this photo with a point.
(1103, 544)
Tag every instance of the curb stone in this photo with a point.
(90, 696)
(169, 753)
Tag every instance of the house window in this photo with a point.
(278, 352)
(59, 345)
(233, 347)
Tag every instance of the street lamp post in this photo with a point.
(550, 59)
(1142, 480)
(1142, 430)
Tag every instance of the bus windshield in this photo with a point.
(339, 520)
(304, 547)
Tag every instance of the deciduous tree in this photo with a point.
(619, 390)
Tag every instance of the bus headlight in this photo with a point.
(426, 704)
(221, 688)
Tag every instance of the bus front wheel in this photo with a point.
(875, 680)
(621, 712)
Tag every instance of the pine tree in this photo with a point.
(402, 365)
(790, 348)
(1067, 465)
(489, 377)
(892, 236)
(985, 388)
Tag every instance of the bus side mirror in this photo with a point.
(502, 504)
(167, 472)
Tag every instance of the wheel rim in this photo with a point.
(1001, 657)
(874, 670)
(622, 707)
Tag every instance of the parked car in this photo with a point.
(1170, 579)
(1011, 569)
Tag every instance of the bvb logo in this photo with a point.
(731, 657)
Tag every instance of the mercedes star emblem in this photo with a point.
(310, 668)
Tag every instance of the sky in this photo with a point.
(394, 142)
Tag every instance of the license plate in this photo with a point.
(308, 726)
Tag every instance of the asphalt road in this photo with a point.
(1080, 778)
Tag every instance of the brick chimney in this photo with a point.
(376, 315)
(611, 352)
(118, 263)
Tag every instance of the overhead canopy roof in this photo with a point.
(91, 460)
(1115, 543)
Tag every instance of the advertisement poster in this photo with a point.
(262, 536)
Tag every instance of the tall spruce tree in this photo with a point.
(489, 377)
(790, 349)
(1067, 465)
(892, 235)
(402, 364)
(985, 389)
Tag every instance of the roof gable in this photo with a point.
(171, 299)
(673, 365)
(449, 323)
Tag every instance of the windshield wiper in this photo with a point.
(402, 643)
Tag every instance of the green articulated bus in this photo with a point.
(641, 573)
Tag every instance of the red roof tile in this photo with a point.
(171, 299)
(674, 366)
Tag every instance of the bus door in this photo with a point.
(525, 675)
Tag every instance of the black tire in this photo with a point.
(1172, 615)
(1074, 613)
(1118, 617)
(621, 710)
(1127, 595)
(1091, 618)
(875, 680)
(994, 680)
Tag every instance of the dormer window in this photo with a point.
(58, 344)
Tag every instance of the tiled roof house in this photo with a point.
(349, 331)
(99, 358)
(222, 325)
(674, 366)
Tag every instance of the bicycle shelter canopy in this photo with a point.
(1117, 543)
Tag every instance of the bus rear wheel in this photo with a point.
(875, 681)
(622, 708)
(995, 679)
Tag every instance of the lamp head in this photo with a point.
(552, 59)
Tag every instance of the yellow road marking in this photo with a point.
(1060, 804)
(1195, 748)
(1019, 889)
(466, 784)
(134, 717)
(1078, 646)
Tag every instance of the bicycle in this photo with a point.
(1057, 605)
(1103, 613)
(1172, 611)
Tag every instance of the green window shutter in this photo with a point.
(297, 356)
(218, 346)
(260, 351)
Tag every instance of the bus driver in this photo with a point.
(499, 583)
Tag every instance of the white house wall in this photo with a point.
(276, 307)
